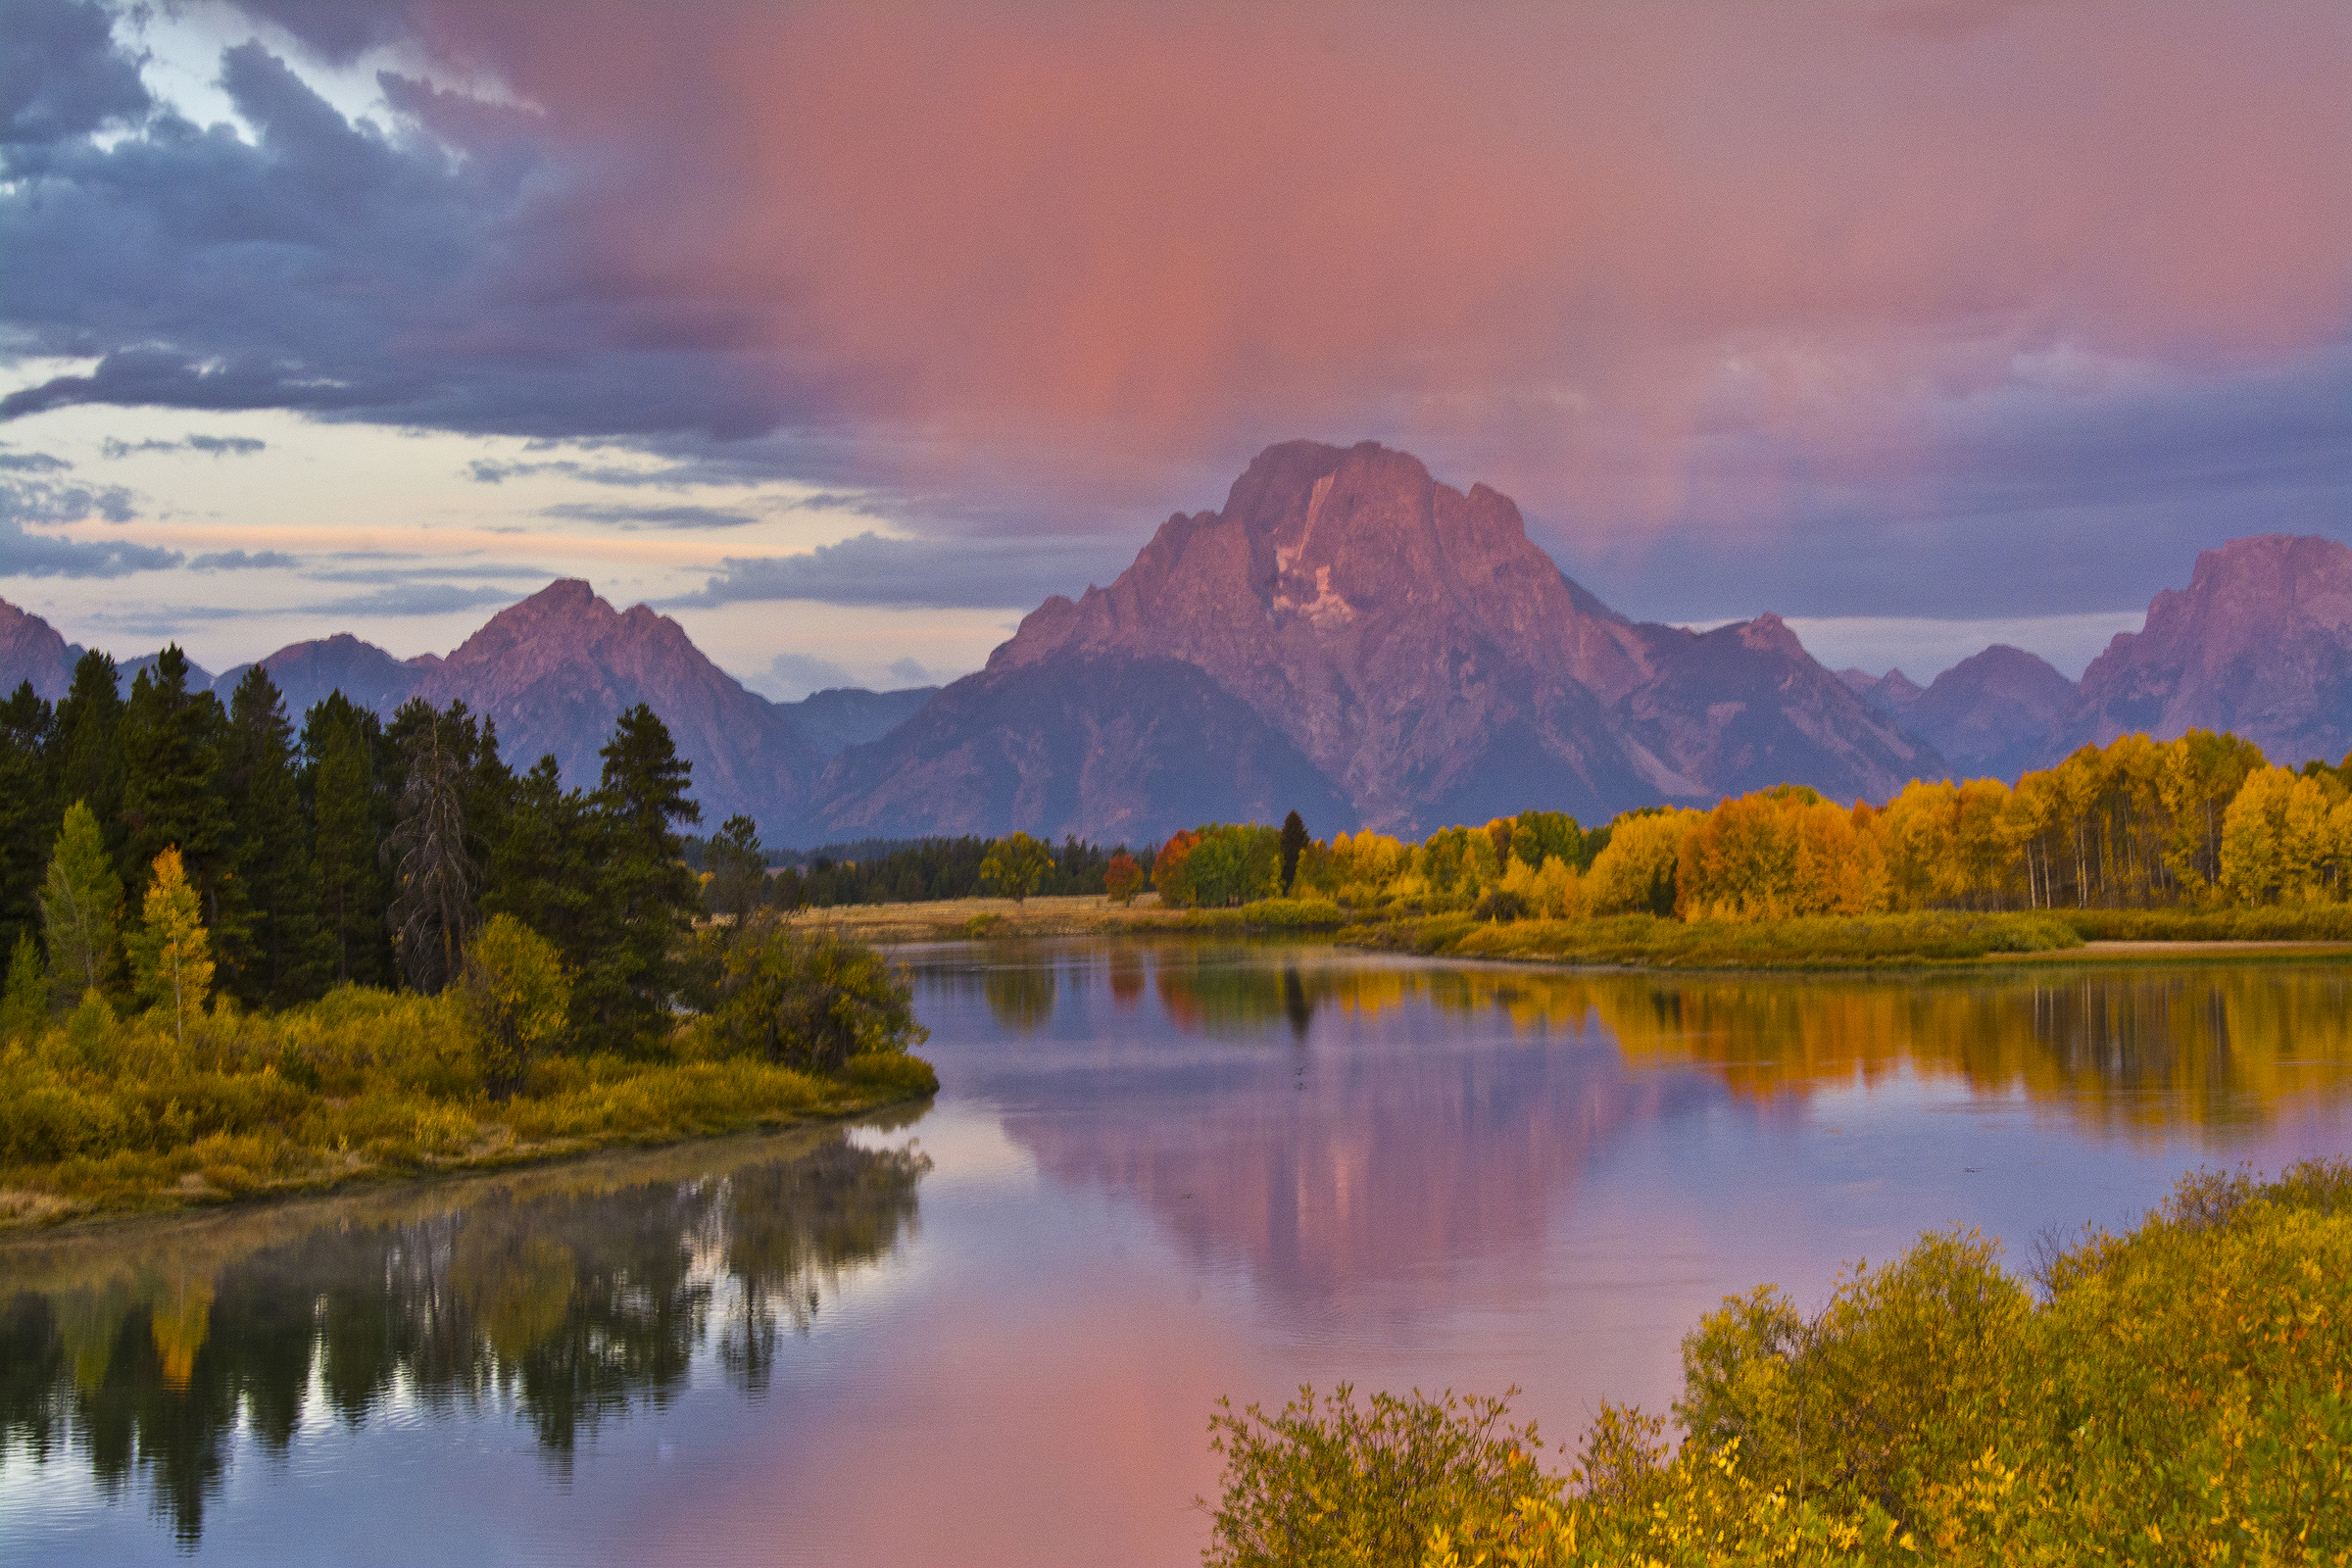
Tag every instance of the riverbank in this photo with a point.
(1934, 938)
(1921, 941)
(100, 1115)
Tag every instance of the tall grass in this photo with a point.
(114, 1113)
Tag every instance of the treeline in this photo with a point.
(891, 870)
(2200, 822)
(351, 851)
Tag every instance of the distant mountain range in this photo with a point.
(1352, 639)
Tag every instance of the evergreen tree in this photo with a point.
(645, 894)
(1294, 843)
(81, 902)
(433, 873)
(342, 746)
(171, 957)
(171, 795)
(27, 814)
(738, 870)
(88, 747)
(286, 959)
(541, 864)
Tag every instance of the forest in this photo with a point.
(242, 956)
(2200, 823)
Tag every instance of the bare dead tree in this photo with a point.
(434, 877)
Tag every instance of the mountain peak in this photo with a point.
(2259, 643)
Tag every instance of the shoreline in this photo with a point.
(29, 1211)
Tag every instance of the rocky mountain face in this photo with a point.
(306, 672)
(1991, 714)
(557, 669)
(1891, 694)
(843, 716)
(2260, 643)
(30, 649)
(1410, 642)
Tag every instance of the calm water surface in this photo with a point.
(992, 1332)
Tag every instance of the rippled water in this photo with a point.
(992, 1332)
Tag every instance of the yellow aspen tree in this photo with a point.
(171, 954)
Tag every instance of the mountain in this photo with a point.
(1991, 715)
(2260, 643)
(557, 669)
(305, 672)
(1110, 748)
(846, 715)
(30, 649)
(129, 669)
(1891, 694)
(1406, 640)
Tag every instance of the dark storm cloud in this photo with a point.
(2035, 503)
(218, 446)
(337, 31)
(61, 75)
(931, 574)
(704, 245)
(335, 270)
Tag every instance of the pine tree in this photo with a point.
(81, 903)
(27, 814)
(171, 957)
(342, 746)
(645, 894)
(89, 750)
(287, 957)
(1293, 845)
(738, 870)
(540, 865)
(171, 794)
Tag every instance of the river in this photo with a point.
(992, 1330)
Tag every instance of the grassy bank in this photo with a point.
(1857, 942)
(99, 1113)
(2179, 1394)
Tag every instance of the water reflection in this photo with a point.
(567, 1296)
(2156, 1048)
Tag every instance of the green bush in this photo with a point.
(2181, 1393)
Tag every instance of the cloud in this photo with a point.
(422, 572)
(1742, 290)
(906, 672)
(52, 501)
(648, 517)
(62, 75)
(240, 560)
(416, 599)
(40, 554)
(793, 676)
(31, 462)
(218, 446)
(934, 573)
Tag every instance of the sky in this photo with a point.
(847, 333)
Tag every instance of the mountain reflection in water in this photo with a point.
(560, 1295)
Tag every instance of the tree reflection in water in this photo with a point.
(2134, 1049)
(568, 1306)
